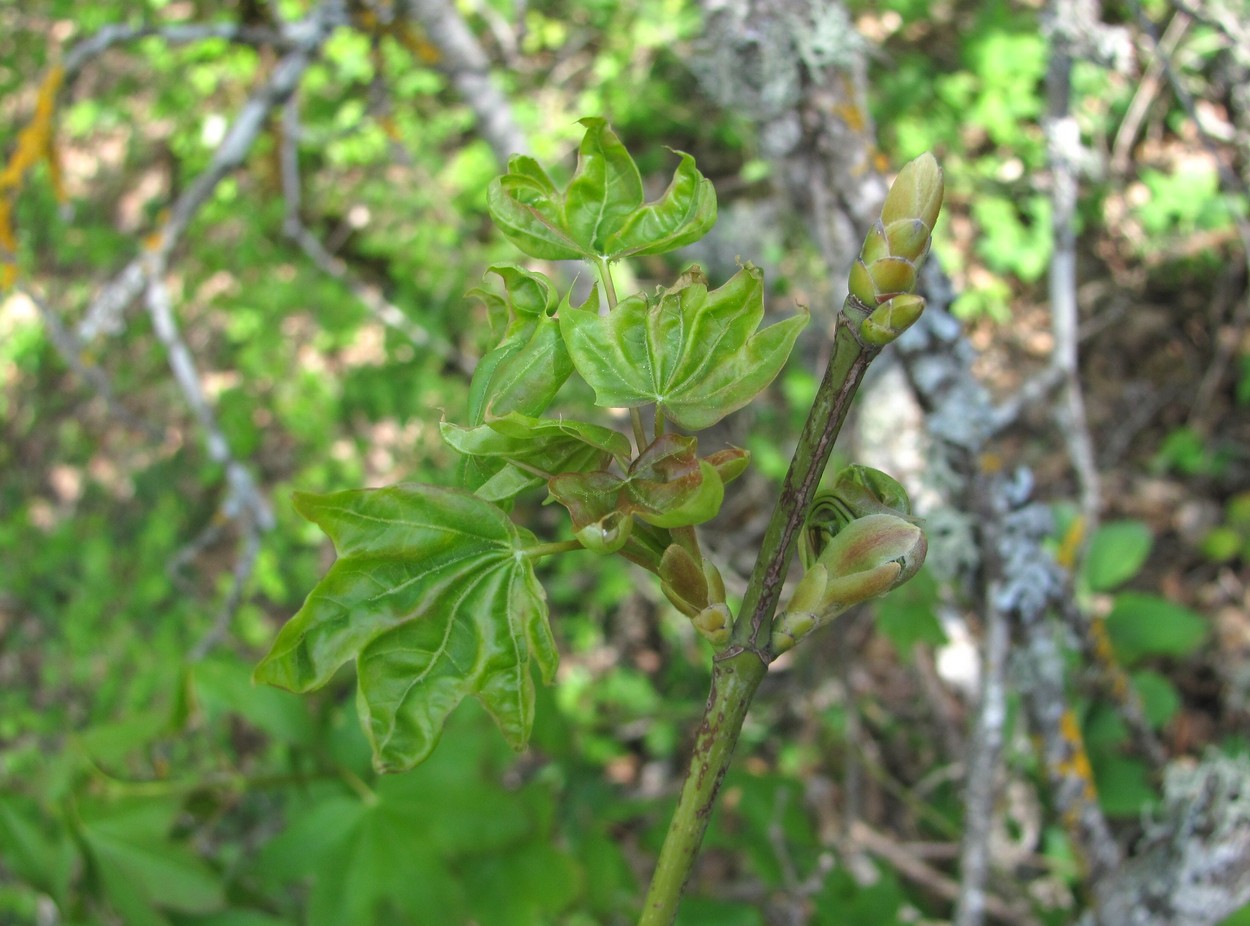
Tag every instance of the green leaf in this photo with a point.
(533, 446)
(601, 214)
(606, 189)
(1159, 697)
(1124, 789)
(142, 870)
(684, 214)
(525, 205)
(433, 597)
(530, 364)
(35, 850)
(668, 486)
(539, 442)
(696, 354)
(1144, 625)
(1116, 552)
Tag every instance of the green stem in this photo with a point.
(833, 400)
(734, 681)
(741, 666)
(609, 294)
(540, 550)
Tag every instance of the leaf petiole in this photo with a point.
(539, 550)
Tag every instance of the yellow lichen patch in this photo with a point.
(991, 463)
(35, 143)
(1070, 545)
(852, 115)
(412, 39)
(1076, 763)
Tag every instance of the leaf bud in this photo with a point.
(715, 583)
(608, 534)
(891, 276)
(916, 192)
(713, 623)
(861, 285)
(908, 238)
(891, 319)
(876, 244)
(683, 581)
(865, 546)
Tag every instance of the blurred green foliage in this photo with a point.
(140, 786)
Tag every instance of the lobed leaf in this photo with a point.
(684, 214)
(668, 486)
(606, 189)
(433, 598)
(697, 355)
(530, 447)
(601, 214)
(525, 205)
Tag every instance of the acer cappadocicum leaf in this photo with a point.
(693, 352)
(528, 447)
(601, 215)
(434, 598)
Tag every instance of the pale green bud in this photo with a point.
(891, 276)
(908, 238)
(916, 192)
(789, 628)
(713, 623)
(890, 319)
(876, 244)
(868, 543)
(715, 582)
(683, 580)
(861, 285)
(608, 534)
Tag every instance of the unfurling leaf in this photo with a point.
(696, 354)
(868, 557)
(433, 597)
(531, 447)
(667, 486)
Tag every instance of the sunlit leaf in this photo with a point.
(434, 599)
(527, 208)
(533, 446)
(696, 354)
(530, 363)
(601, 214)
(684, 214)
(606, 189)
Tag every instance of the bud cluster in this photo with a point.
(883, 277)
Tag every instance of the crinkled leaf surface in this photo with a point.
(695, 353)
(526, 369)
(606, 189)
(521, 374)
(525, 205)
(433, 597)
(601, 214)
(684, 214)
(527, 444)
